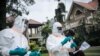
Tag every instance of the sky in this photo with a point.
(43, 10)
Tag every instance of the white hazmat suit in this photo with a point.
(53, 44)
(11, 39)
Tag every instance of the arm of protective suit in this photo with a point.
(18, 51)
(22, 48)
(70, 39)
(66, 40)
(67, 46)
(25, 44)
(5, 42)
(51, 46)
(5, 51)
(73, 45)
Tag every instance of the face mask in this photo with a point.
(59, 28)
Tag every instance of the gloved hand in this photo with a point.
(34, 53)
(73, 45)
(18, 51)
(66, 40)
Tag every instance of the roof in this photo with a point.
(93, 5)
(34, 24)
(31, 21)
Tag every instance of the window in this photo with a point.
(78, 12)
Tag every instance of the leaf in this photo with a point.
(10, 8)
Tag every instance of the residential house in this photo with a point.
(83, 20)
(81, 14)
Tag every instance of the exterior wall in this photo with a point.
(78, 16)
(74, 20)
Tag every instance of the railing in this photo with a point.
(35, 36)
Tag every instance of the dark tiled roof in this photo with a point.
(34, 24)
(31, 21)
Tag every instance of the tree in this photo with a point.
(18, 6)
(13, 7)
(91, 33)
(2, 14)
(46, 30)
(59, 12)
(95, 29)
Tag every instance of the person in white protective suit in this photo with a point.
(57, 44)
(12, 40)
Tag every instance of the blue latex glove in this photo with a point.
(34, 53)
(73, 45)
(66, 40)
(18, 51)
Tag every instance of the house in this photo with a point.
(34, 30)
(83, 20)
(81, 13)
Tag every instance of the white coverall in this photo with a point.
(54, 45)
(10, 39)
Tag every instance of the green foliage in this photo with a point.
(62, 6)
(46, 30)
(34, 46)
(58, 12)
(92, 34)
(96, 16)
(17, 6)
(79, 38)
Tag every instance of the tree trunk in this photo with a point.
(2, 14)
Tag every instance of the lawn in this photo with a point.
(93, 51)
(44, 54)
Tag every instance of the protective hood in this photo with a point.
(55, 29)
(21, 23)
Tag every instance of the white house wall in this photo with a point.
(68, 5)
(72, 25)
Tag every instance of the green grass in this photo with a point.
(45, 54)
(93, 51)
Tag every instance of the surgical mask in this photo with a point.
(60, 30)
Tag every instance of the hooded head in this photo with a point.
(57, 28)
(21, 23)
